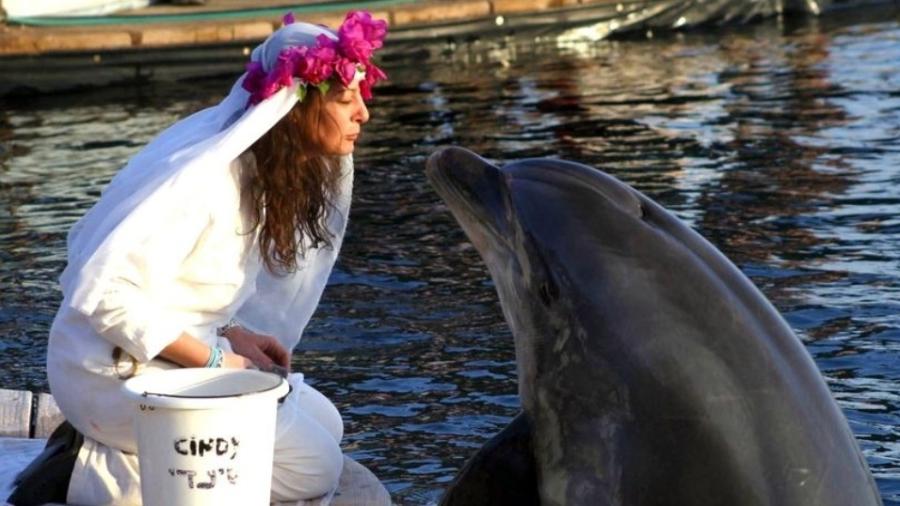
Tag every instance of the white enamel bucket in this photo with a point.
(205, 436)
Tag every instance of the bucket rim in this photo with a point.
(140, 391)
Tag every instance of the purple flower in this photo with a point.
(325, 42)
(288, 19)
(270, 87)
(254, 80)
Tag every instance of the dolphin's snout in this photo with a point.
(455, 165)
(472, 187)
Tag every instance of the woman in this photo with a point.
(211, 248)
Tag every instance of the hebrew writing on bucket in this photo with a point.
(207, 450)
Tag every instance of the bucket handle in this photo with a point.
(285, 396)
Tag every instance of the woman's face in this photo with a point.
(348, 112)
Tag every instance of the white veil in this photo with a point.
(171, 169)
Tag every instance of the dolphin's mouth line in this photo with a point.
(475, 191)
(458, 202)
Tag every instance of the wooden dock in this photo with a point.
(26, 420)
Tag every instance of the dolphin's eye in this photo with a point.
(548, 292)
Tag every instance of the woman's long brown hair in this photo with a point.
(293, 185)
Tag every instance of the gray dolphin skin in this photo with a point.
(651, 370)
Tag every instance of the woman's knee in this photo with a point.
(321, 409)
(332, 465)
(311, 474)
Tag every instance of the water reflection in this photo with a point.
(777, 143)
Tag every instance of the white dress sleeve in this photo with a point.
(134, 312)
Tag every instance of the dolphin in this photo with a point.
(651, 371)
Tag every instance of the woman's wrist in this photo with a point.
(187, 351)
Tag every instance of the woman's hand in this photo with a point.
(257, 349)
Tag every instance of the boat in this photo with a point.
(38, 8)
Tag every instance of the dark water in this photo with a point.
(780, 143)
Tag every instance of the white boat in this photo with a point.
(33, 8)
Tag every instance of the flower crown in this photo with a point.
(358, 37)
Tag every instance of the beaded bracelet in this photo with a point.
(216, 356)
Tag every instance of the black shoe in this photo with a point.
(47, 478)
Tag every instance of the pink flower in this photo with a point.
(346, 69)
(373, 75)
(357, 49)
(318, 64)
(361, 25)
(282, 74)
(359, 36)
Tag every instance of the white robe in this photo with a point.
(193, 279)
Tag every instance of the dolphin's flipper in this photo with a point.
(503, 472)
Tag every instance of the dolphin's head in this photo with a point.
(585, 266)
(637, 341)
(546, 229)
